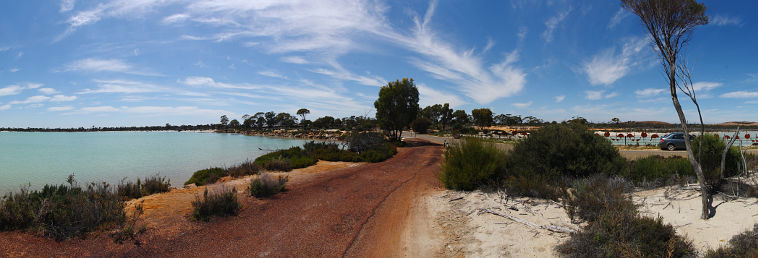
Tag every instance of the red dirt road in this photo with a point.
(357, 211)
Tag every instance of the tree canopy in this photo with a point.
(397, 106)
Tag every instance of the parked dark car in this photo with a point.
(673, 141)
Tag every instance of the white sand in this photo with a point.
(682, 208)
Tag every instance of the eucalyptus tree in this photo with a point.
(397, 106)
(670, 24)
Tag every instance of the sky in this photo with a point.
(149, 62)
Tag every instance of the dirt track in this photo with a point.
(357, 211)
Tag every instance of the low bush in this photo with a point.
(62, 211)
(564, 150)
(619, 234)
(219, 204)
(742, 245)
(471, 163)
(206, 176)
(421, 124)
(592, 197)
(246, 168)
(151, 185)
(657, 168)
(713, 149)
(614, 228)
(295, 157)
(359, 142)
(267, 185)
(533, 186)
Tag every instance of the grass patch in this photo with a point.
(267, 185)
(150, 185)
(62, 211)
(219, 204)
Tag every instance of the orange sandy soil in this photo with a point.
(330, 209)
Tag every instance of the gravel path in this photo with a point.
(336, 213)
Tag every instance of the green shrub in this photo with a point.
(151, 185)
(471, 163)
(421, 124)
(295, 157)
(564, 150)
(220, 204)
(592, 197)
(618, 234)
(246, 168)
(657, 168)
(742, 245)
(614, 228)
(206, 176)
(267, 185)
(359, 142)
(713, 148)
(533, 186)
(62, 211)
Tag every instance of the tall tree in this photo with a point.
(670, 24)
(446, 115)
(302, 112)
(482, 116)
(224, 120)
(397, 106)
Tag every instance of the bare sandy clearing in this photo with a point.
(681, 209)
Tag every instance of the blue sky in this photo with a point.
(149, 62)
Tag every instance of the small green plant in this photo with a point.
(294, 157)
(267, 185)
(713, 149)
(130, 229)
(657, 168)
(206, 176)
(742, 245)
(246, 168)
(471, 163)
(591, 198)
(218, 204)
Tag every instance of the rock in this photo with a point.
(190, 186)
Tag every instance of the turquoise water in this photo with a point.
(48, 158)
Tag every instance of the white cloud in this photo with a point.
(62, 98)
(176, 18)
(33, 85)
(618, 17)
(522, 105)
(559, 99)
(649, 92)
(294, 60)
(706, 86)
(740, 94)
(63, 108)
(429, 96)
(99, 65)
(607, 67)
(522, 33)
(11, 90)
(31, 100)
(48, 91)
(343, 74)
(99, 109)
(552, 23)
(599, 94)
(122, 86)
(3, 49)
(67, 5)
(272, 74)
(720, 20)
(13, 70)
(5, 107)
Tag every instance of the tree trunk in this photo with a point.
(704, 191)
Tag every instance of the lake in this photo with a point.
(49, 157)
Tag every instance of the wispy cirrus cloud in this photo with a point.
(649, 92)
(67, 5)
(104, 65)
(599, 94)
(608, 66)
(740, 94)
(620, 15)
(721, 20)
(17, 89)
(429, 96)
(552, 23)
(559, 99)
(522, 105)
